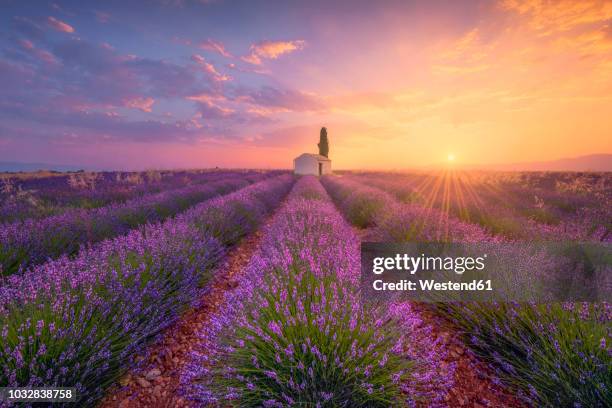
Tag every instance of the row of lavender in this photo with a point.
(69, 188)
(296, 332)
(78, 321)
(34, 196)
(555, 354)
(533, 210)
(416, 221)
(563, 192)
(29, 242)
(37, 194)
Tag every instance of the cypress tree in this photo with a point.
(323, 143)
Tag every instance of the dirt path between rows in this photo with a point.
(473, 380)
(156, 382)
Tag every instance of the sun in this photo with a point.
(450, 157)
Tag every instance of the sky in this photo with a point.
(398, 84)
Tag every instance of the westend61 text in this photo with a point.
(432, 285)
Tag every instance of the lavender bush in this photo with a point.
(37, 196)
(556, 355)
(33, 241)
(397, 222)
(76, 322)
(360, 207)
(514, 209)
(297, 333)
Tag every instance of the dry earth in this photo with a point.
(156, 382)
(473, 384)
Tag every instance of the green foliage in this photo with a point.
(507, 226)
(558, 355)
(542, 215)
(335, 351)
(362, 210)
(323, 143)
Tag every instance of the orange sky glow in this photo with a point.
(516, 81)
(532, 83)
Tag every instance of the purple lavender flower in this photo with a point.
(105, 304)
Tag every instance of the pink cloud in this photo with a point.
(207, 97)
(144, 104)
(42, 55)
(272, 50)
(206, 45)
(59, 25)
(210, 110)
(209, 68)
(215, 46)
(26, 44)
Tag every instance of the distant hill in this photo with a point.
(17, 166)
(593, 162)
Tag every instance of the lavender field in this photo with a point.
(242, 288)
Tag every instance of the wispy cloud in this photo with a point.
(87, 127)
(215, 46)
(84, 93)
(563, 15)
(43, 55)
(272, 50)
(206, 45)
(59, 25)
(143, 104)
(282, 99)
(209, 68)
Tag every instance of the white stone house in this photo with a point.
(315, 164)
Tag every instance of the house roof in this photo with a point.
(316, 156)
